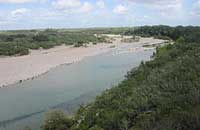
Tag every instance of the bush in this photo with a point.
(40, 38)
(23, 51)
(79, 44)
(26, 128)
(57, 120)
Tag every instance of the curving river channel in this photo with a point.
(66, 87)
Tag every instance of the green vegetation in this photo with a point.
(119, 30)
(57, 120)
(19, 42)
(161, 94)
(189, 33)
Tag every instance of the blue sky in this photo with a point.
(28, 14)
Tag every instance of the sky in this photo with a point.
(32, 14)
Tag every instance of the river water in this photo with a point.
(65, 87)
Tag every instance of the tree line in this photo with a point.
(20, 42)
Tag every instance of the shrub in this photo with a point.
(57, 120)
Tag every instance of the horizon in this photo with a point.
(58, 14)
(76, 28)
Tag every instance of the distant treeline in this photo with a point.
(19, 42)
(189, 33)
(161, 94)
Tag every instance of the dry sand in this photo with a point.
(18, 69)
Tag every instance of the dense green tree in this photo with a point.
(190, 33)
(57, 120)
(95, 128)
(40, 38)
(26, 128)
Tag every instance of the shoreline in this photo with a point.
(66, 61)
(39, 62)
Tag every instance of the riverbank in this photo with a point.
(38, 62)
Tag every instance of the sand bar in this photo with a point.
(18, 69)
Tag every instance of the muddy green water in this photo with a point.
(65, 87)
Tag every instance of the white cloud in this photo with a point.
(21, 1)
(9, 18)
(146, 16)
(75, 6)
(157, 2)
(100, 4)
(86, 7)
(170, 5)
(165, 7)
(19, 12)
(66, 4)
(15, 1)
(196, 9)
(120, 9)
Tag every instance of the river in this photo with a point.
(65, 87)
